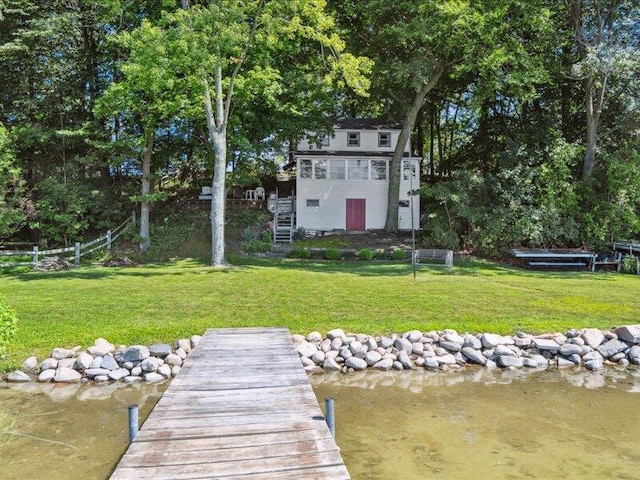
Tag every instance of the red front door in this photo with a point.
(356, 208)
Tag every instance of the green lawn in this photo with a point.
(164, 302)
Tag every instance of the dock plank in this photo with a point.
(221, 418)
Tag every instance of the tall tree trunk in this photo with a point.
(594, 98)
(395, 169)
(145, 238)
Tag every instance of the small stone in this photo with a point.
(336, 343)
(431, 362)
(195, 339)
(160, 350)
(118, 374)
(306, 361)
(472, 342)
(66, 375)
(355, 363)
(181, 353)
(593, 337)
(100, 348)
(109, 362)
(336, 333)
(501, 350)
(595, 355)
(306, 349)
(491, 340)
(523, 342)
(540, 360)
(384, 364)
(397, 365)
(183, 343)
(96, 362)
(617, 357)
(330, 365)
(94, 372)
(473, 356)
(314, 369)
(447, 359)
(46, 375)
(403, 358)
(413, 336)
(418, 348)
(136, 371)
(66, 362)
(101, 378)
(402, 344)
(83, 361)
(48, 363)
(30, 364)
(175, 370)
(18, 376)
(451, 346)
(385, 342)
(318, 357)
(152, 377)
(372, 358)
(173, 360)
(506, 361)
(529, 362)
(628, 333)
(612, 347)
(314, 337)
(569, 349)
(546, 344)
(165, 370)
(60, 353)
(594, 364)
(623, 362)
(565, 362)
(634, 352)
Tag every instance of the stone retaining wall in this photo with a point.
(345, 352)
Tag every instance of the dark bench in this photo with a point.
(556, 258)
(428, 255)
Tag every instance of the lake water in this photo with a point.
(403, 425)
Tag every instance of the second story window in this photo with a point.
(384, 139)
(353, 139)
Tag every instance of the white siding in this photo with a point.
(368, 142)
(333, 194)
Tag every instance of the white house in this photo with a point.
(342, 181)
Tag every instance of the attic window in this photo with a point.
(384, 139)
(313, 202)
(353, 139)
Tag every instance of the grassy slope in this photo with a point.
(165, 302)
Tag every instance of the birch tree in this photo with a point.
(229, 42)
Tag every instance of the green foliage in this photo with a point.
(246, 217)
(172, 231)
(8, 325)
(15, 208)
(365, 254)
(332, 254)
(302, 253)
(398, 254)
(257, 246)
(629, 264)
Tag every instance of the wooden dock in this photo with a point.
(223, 417)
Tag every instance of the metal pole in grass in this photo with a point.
(330, 415)
(413, 230)
(133, 422)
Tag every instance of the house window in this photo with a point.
(313, 202)
(320, 170)
(384, 139)
(406, 168)
(353, 139)
(378, 169)
(324, 140)
(337, 169)
(306, 168)
(358, 170)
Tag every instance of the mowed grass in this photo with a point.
(160, 303)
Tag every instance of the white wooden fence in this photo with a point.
(75, 252)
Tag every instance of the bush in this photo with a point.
(257, 246)
(629, 264)
(365, 254)
(398, 255)
(8, 325)
(332, 254)
(302, 253)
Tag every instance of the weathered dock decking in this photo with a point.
(224, 418)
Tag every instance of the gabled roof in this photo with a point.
(366, 124)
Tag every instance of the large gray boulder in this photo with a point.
(610, 348)
(593, 337)
(160, 350)
(546, 344)
(355, 363)
(473, 356)
(18, 376)
(66, 375)
(628, 333)
(134, 353)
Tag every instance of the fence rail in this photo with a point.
(77, 251)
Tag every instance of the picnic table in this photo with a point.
(566, 257)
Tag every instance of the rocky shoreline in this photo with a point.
(338, 351)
